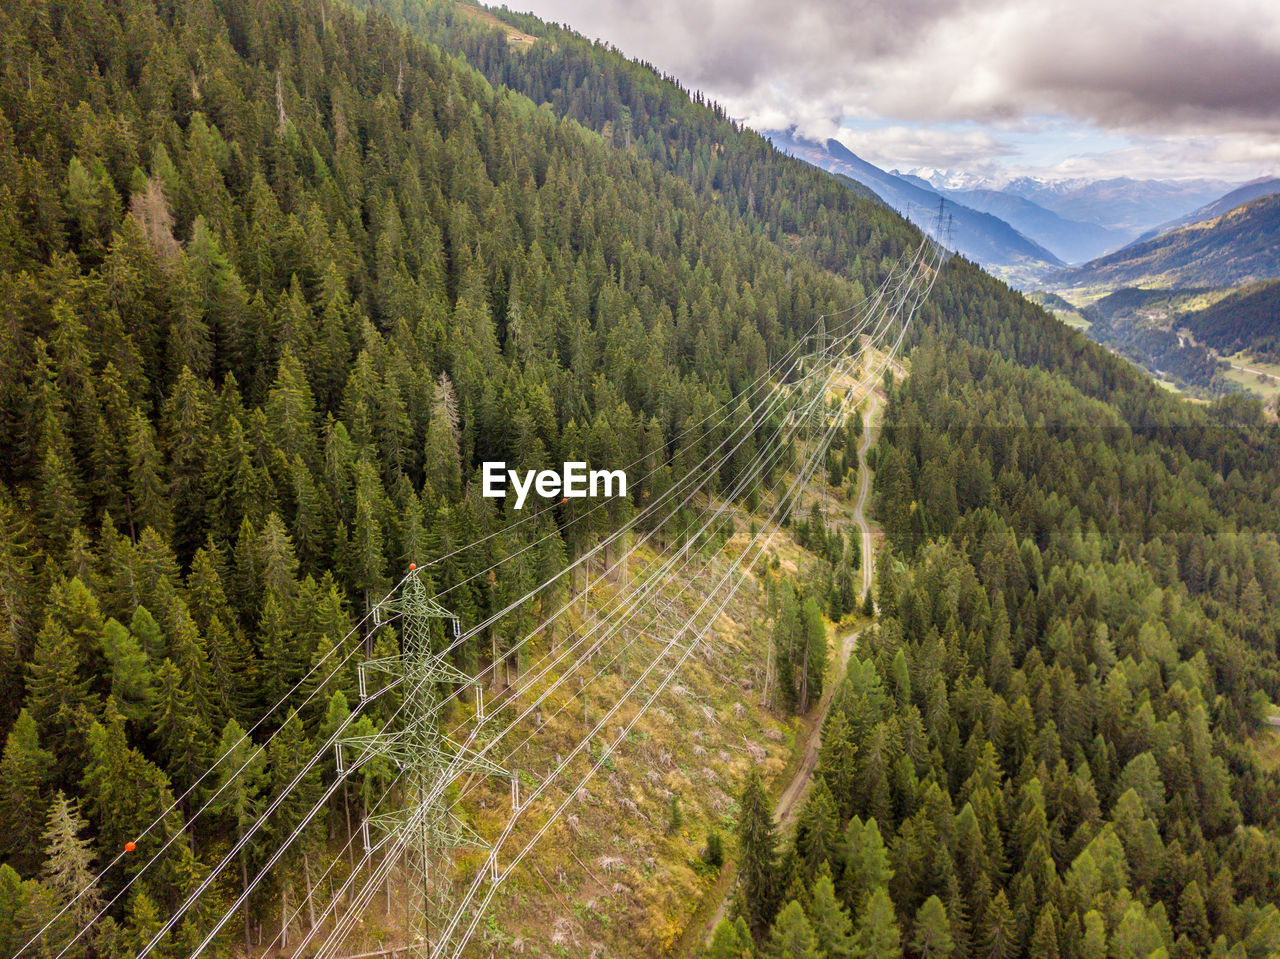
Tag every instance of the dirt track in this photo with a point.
(789, 802)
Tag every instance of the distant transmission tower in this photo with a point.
(423, 832)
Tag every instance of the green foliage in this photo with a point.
(878, 935)
(713, 853)
(731, 940)
(791, 936)
(757, 855)
(251, 366)
(832, 927)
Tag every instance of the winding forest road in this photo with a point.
(797, 788)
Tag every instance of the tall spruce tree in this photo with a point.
(758, 855)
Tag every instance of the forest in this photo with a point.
(275, 278)
(1046, 745)
(1248, 318)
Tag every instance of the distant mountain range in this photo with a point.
(1250, 191)
(1018, 228)
(1162, 248)
(1074, 241)
(980, 236)
(1122, 204)
(1238, 246)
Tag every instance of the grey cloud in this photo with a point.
(1127, 65)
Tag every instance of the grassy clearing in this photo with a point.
(633, 885)
(613, 875)
(1260, 378)
(633, 880)
(517, 38)
(1073, 318)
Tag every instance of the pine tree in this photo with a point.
(132, 676)
(832, 927)
(242, 775)
(125, 792)
(866, 865)
(180, 728)
(791, 936)
(148, 502)
(25, 770)
(814, 660)
(675, 818)
(730, 941)
(442, 442)
(714, 852)
(1193, 921)
(817, 831)
(786, 632)
(758, 855)
(1044, 938)
(144, 923)
(999, 937)
(25, 908)
(68, 868)
(58, 697)
(932, 933)
(838, 761)
(878, 935)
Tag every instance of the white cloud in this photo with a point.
(1159, 71)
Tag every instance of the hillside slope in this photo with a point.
(1072, 241)
(1248, 318)
(1236, 247)
(277, 279)
(1224, 204)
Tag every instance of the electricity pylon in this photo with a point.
(423, 832)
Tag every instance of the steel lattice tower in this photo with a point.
(423, 832)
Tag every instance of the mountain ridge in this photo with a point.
(1225, 203)
(1235, 247)
(981, 236)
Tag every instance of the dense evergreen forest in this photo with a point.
(276, 276)
(1246, 319)
(1045, 747)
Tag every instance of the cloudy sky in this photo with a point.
(1163, 88)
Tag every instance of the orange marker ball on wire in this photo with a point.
(130, 846)
(412, 567)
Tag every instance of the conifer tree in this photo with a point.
(878, 936)
(1193, 922)
(58, 697)
(998, 938)
(68, 867)
(1044, 938)
(758, 855)
(25, 771)
(837, 761)
(791, 936)
(832, 927)
(242, 775)
(817, 831)
(931, 937)
(731, 940)
(866, 865)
